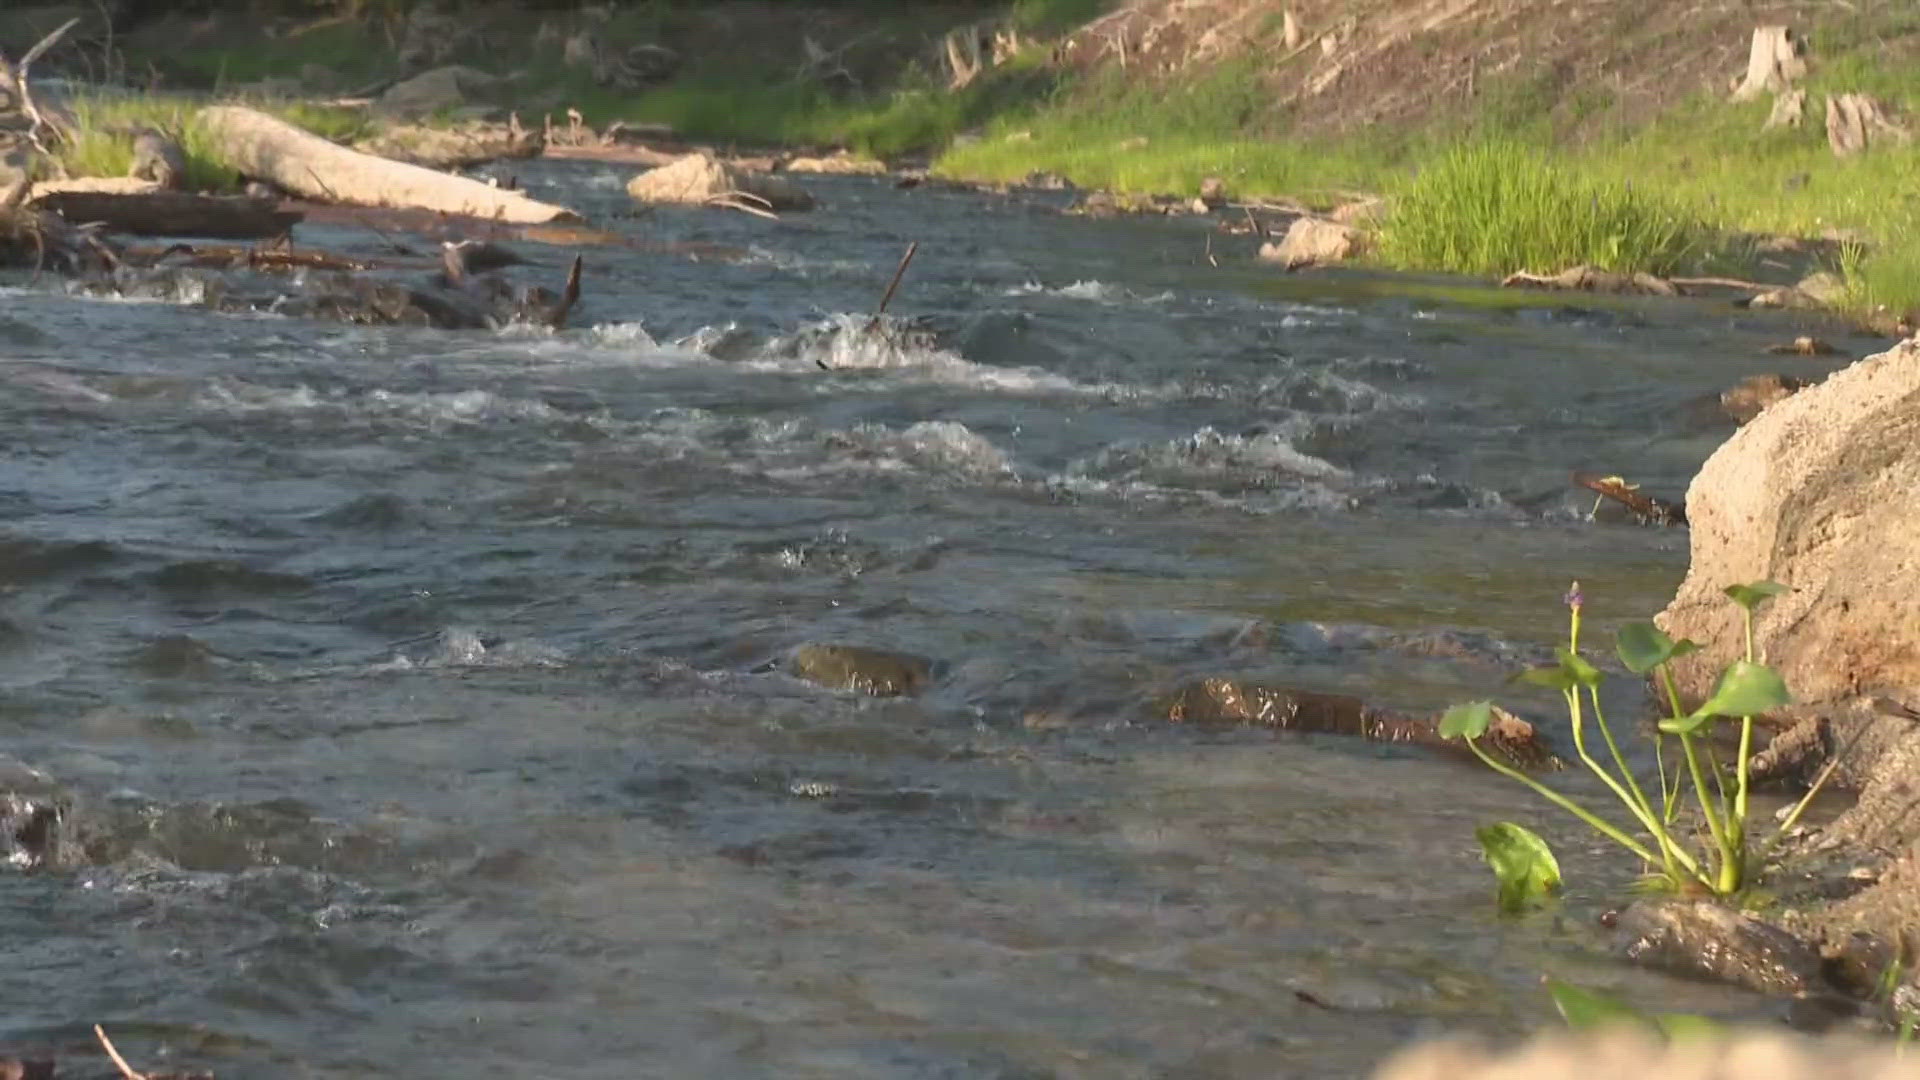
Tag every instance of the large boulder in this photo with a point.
(436, 91)
(698, 178)
(1311, 241)
(1821, 493)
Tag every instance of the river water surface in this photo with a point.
(424, 691)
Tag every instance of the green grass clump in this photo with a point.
(105, 126)
(1495, 208)
(103, 138)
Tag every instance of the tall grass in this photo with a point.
(1494, 208)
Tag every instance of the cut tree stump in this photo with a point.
(1856, 121)
(1773, 63)
(264, 148)
(171, 213)
(1789, 108)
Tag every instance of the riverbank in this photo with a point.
(1277, 101)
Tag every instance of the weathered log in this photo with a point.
(309, 166)
(1773, 63)
(171, 213)
(1593, 279)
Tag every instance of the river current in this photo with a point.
(425, 692)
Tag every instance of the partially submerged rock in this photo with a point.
(841, 164)
(35, 819)
(1708, 940)
(868, 671)
(1746, 399)
(1820, 492)
(1312, 241)
(1225, 700)
(701, 178)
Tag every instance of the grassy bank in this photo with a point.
(1562, 167)
(106, 123)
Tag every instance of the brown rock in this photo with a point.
(1820, 492)
(869, 671)
(454, 147)
(698, 178)
(1708, 940)
(1312, 241)
(1232, 701)
(1745, 399)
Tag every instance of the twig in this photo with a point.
(898, 273)
(1211, 261)
(569, 296)
(23, 83)
(743, 201)
(126, 1070)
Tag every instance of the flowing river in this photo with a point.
(424, 696)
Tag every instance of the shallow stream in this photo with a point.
(426, 689)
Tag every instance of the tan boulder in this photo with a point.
(1311, 241)
(698, 178)
(842, 164)
(1821, 493)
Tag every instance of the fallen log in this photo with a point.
(171, 213)
(305, 164)
(1645, 508)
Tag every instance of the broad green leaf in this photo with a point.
(1752, 596)
(1688, 1026)
(1583, 1008)
(1524, 864)
(1558, 678)
(1576, 667)
(1470, 719)
(1746, 689)
(1643, 646)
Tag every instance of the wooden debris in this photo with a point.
(171, 213)
(1593, 279)
(898, 273)
(227, 257)
(307, 165)
(17, 81)
(1645, 508)
(1774, 61)
(1856, 122)
(158, 157)
(1804, 346)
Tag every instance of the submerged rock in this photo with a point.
(1225, 700)
(698, 178)
(869, 671)
(1821, 493)
(1707, 940)
(36, 830)
(1312, 241)
(1747, 398)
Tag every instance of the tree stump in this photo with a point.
(1789, 108)
(157, 156)
(1773, 63)
(1856, 121)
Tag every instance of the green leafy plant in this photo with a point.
(1523, 863)
(1582, 1008)
(1746, 688)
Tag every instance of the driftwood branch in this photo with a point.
(898, 273)
(569, 296)
(19, 78)
(744, 201)
(126, 1070)
(1644, 507)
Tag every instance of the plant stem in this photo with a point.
(1644, 815)
(1669, 850)
(1599, 824)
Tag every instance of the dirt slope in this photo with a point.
(1351, 63)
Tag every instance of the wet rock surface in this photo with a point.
(1703, 939)
(702, 178)
(36, 819)
(1232, 701)
(868, 671)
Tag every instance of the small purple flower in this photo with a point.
(1575, 598)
